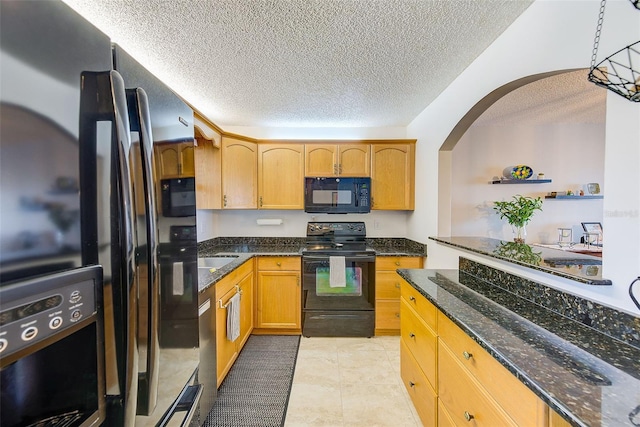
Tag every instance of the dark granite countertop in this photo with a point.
(245, 248)
(589, 378)
(579, 267)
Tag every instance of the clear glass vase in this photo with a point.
(519, 233)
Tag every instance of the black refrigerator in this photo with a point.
(97, 240)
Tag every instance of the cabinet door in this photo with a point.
(246, 309)
(226, 351)
(320, 160)
(281, 176)
(207, 169)
(187, 160)
(168, 160)
(279, 300)
(354, 160)
(392, 176)
(239, 174)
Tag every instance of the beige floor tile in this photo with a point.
(354, 344)
(329, 355)
(314, 405)
(317, 371)
(375, 405)
(318, 343)
(389, 343)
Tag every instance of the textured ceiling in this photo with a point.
(320, 63)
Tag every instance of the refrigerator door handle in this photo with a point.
(148, 379)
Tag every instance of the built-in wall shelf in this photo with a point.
(519, 181)
(573, 197)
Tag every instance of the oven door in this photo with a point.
(338, 311)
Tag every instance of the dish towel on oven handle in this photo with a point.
(337, 272)
(233, 317)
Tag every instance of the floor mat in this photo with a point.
(256, 390)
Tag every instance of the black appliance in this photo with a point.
(51, 343)
(337, 195)
(338, 303)
(78, 188)
(178, 196)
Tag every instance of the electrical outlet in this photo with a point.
(376, 225)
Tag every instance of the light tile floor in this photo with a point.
(349, 382)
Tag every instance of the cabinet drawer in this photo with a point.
(420, 304)
(514, 397)
(387, 314)
(228, 282)
(422, 395)
(444, 419)
(394, 262)
(388, 285)
(421, 340)
(462, 396)
(283, 263)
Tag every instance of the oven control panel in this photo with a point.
(35, 311)
(336, 229)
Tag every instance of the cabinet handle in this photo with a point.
(398, 263)
(278, 263)
(335, 169)
(412, 299)
(340, 169)
(260, 201)
(398, 285)
(398, 315)
(412, 335)
(412, 384)
(468, 416)
(224, 198)
(372, 204)
(467, 355)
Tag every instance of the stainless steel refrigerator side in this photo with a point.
(107, 198)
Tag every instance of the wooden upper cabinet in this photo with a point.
(392, 176)
(208, 171)
(239, 174)
(337, 160)
(281, 176)
(175, 159)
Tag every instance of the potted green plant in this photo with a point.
(518, 213)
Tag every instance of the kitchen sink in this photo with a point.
(215, 262)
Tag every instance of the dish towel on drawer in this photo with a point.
(233, 317)
(337, 276)
(177, 287)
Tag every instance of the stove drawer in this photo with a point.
(324, 323)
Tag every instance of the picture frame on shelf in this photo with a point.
(592, 227)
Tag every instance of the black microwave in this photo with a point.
(337, 195)
(178, 197)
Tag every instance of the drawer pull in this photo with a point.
(412, 299)
(398, 263)
(468, 416)
(398, 285)
(279, 264)
(412, 384)
(398, 315)
(467, 355)
(412, 335)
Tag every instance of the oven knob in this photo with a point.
(3, 344)
(55, 323)
(29, 333)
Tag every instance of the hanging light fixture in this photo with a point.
(619, 72)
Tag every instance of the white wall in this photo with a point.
(550, 35)
(569, 154)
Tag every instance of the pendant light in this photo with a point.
(619, 72)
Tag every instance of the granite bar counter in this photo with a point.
(584, 365)
(575, 266)
(245, 248)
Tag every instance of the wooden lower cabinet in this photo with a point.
(420, 390)
(279, 298)
(241, 280)
(388, 292)
(472, 388)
